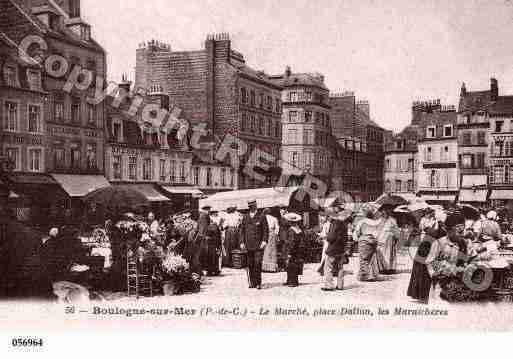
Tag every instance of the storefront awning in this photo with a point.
(183, 190)
(265, 198)
(502, 194)
(38, 187)
(441, 197)
(80, 185)
(469, 195)
(473, 180)
(149, 191)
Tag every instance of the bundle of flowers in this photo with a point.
(176, 269)
(174, 264)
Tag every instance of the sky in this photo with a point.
(390, 53)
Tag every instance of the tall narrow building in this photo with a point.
(215, 87)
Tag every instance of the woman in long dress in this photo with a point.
(270, 257)
(387, 240)
(420, 280)
(294, 250)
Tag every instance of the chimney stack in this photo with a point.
(494, 89)
(288, 71)
(125, 84)
(463, 91)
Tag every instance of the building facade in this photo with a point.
(473, 142)
(401, 162)
(361, 147)
(67, 130)
(216, 88)
(438, 180)
(306, 124)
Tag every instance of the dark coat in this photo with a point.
(254, 231)
(337, 238)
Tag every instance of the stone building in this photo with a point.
(306, 124)
(215, 87)
(473, 142)
(71, 155)
(438, 179)
(361, 144)
(401, 162)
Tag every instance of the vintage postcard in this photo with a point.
(255, 165)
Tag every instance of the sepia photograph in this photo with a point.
(244, 165)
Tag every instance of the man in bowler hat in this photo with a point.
(254, 235)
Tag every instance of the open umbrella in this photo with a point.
(468, 211)
(390, 199)
(117, 197)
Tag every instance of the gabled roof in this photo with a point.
(64, 34)
(299, 79)
(256, 75)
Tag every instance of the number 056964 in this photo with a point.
(27, 342)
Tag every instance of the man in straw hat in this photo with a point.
(336, 251)
(254, 234)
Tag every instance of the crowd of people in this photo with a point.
(274, 240)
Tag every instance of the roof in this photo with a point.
(64, 33)
(503, 106)
(300, 79)
(474, 100)
(256, 75)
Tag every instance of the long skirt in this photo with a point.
(367, 256)
(270, 259)
(231, 243)
(212, 259)
(420, 280)
(386, 255)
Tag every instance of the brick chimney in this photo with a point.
(494, 89)
(288, 71)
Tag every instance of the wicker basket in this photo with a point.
(239, 259)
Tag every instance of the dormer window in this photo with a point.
(11, 75)
(85, 32)
(74, 8)
(34, 79)
(54, 22)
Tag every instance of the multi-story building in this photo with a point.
(473, 142)
(305, 124)
(361, 143)
(157, 164)
(401, 162)
(70, 152)
(438, 178)
(215, 87)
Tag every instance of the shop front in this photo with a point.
(183, 197)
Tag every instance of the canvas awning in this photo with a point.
(149, 191)
(473, 180)
(441, 197)
(265, 198)
(502, 194)
(80, 185)
(38, 187)
(183, 190)
(469, 195)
